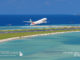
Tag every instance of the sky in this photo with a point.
(39, 7)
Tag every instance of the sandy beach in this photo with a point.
(15, 38)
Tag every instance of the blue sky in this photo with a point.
(39, 7)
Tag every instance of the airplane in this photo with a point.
(43, 20)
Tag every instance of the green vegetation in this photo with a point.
(10, 35)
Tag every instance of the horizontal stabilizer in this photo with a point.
(29, 21)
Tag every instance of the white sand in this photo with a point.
(15, 38)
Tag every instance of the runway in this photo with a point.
(36, 30)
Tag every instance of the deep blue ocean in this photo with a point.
(18, 20)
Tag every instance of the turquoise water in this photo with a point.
(19, 27)
(64, 46)
(23, 27)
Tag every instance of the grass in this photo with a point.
(10, 35)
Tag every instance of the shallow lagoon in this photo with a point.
(64, 46)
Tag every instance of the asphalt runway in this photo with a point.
(37, 30)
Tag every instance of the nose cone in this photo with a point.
(44, 18)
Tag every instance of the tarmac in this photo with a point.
(36, 30)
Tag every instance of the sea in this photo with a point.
(64, 46)
(18, 20)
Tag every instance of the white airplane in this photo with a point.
(44, 20)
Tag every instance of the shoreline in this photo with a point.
(15, 38)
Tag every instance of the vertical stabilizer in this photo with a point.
(30, 20)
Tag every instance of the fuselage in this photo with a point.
(39, 21)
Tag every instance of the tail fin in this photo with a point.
(30, 21)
